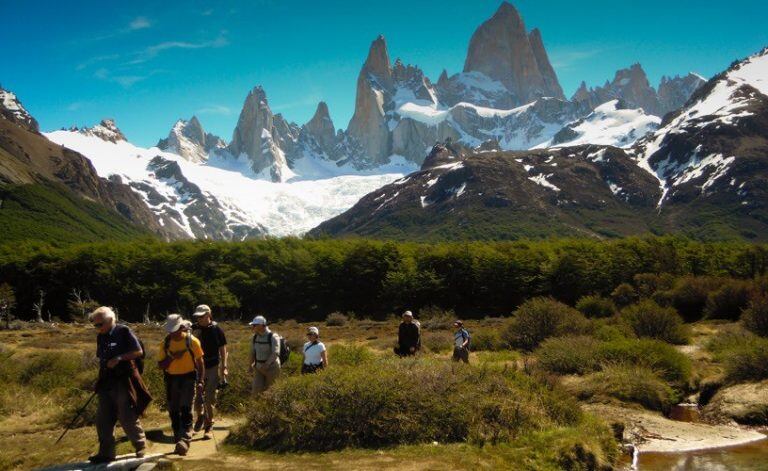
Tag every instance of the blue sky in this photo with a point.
(148, 63)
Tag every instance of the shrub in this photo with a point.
(434, 318)
(755, 316)
(349, 354)
(690, 294)
(488, 340)
(336, 319)
(664, 359)
(569, 355)
(541, 318)
(648, 319)
(402, 402)
(436, 342)
(747, 362)
(596, 306)
(631, 383)
(624, 295)
(51, 370)
(728, 301)
(649, 283)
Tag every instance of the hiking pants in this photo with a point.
(460, 354)
(262, 381)
(114, 405)
(204, 404)
(180, 391)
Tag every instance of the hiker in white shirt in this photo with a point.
(315, 353)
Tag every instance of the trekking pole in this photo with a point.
(76, 417)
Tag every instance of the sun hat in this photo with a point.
(407, 314)
(458, 323)
(173, 323)
(259, 320)
(313, 330)
(201, 310)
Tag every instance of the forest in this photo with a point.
(307, 280)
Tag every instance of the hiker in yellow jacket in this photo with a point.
(181, 358)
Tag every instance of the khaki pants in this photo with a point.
(115, 405)
(205, 404)
(262, 381)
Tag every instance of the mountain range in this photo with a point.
(517, 158)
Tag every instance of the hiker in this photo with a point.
(265, 355)
(181, 358)
(315, 353)
(214, 344)
(408, 336)
(460, 342)
(122, 394)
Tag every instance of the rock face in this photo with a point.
(256, 137)
(189, 140)
(106, 130)
(744, 403)
(12, 110)
(502, 49)
(632, 87)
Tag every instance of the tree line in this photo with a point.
(308, 279)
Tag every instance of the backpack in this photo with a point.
(283, 350)
(166, 362)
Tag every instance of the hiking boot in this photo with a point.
(98, 459)
(199, 423)
(208, 433)
(182, 447)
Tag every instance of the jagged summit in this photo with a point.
(189, 140)
(12, 109)
(502, 49)
(106, 130)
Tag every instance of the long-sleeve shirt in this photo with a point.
(266, 350)
(409, 335)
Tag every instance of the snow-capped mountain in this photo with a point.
(703, 171)
(189, 140)
(220, 198)
(12, 109)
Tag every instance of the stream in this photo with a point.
(751, 456)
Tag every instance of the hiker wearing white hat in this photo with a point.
(181, 358)
(265, 355)
(408, 336)
(315, 353)
(214, 344)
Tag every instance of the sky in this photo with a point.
(147, 63)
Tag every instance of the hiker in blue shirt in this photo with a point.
(460, 343)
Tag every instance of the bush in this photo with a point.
(690, 294)
(569, 355)
(624, 295)
(648, 319)
(755, 316)
(340, 354)
(402, 402)
(336, 319)
(631, 383)
(434, 318)
(728, 301)
(596, 306)
(747, 362)
(486, 340)
(649, 283)
(662, 358)
(541, 318)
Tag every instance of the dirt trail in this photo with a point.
(160, 441)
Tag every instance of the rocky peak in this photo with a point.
(377, 62)
(502, 49)
(189, 140)
(12, 109)
(321, 125)
(675, 92)
(630, 85)
(106, 130)
(442, 81)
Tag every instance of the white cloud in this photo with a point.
(565, 58)
(215, 109)
(151, 52)
(140, 22)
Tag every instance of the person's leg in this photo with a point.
(272, 374)
(128, 419)
(259, 383)
(211, 385)
(106, 417)
(465, 355)
(174, 405)
(456, 354)
(186, 397)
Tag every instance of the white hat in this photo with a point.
(313, 330)
(407, 314)
(259, 320)
(201, 310)
(173, 323)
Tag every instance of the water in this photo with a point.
(750, 457)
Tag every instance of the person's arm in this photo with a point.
(134, 350)
(197, 356)
(324, 356)
(223, 355)
(465, 336)
(275, 353)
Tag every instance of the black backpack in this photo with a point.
(283, 350)
(140, 360)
